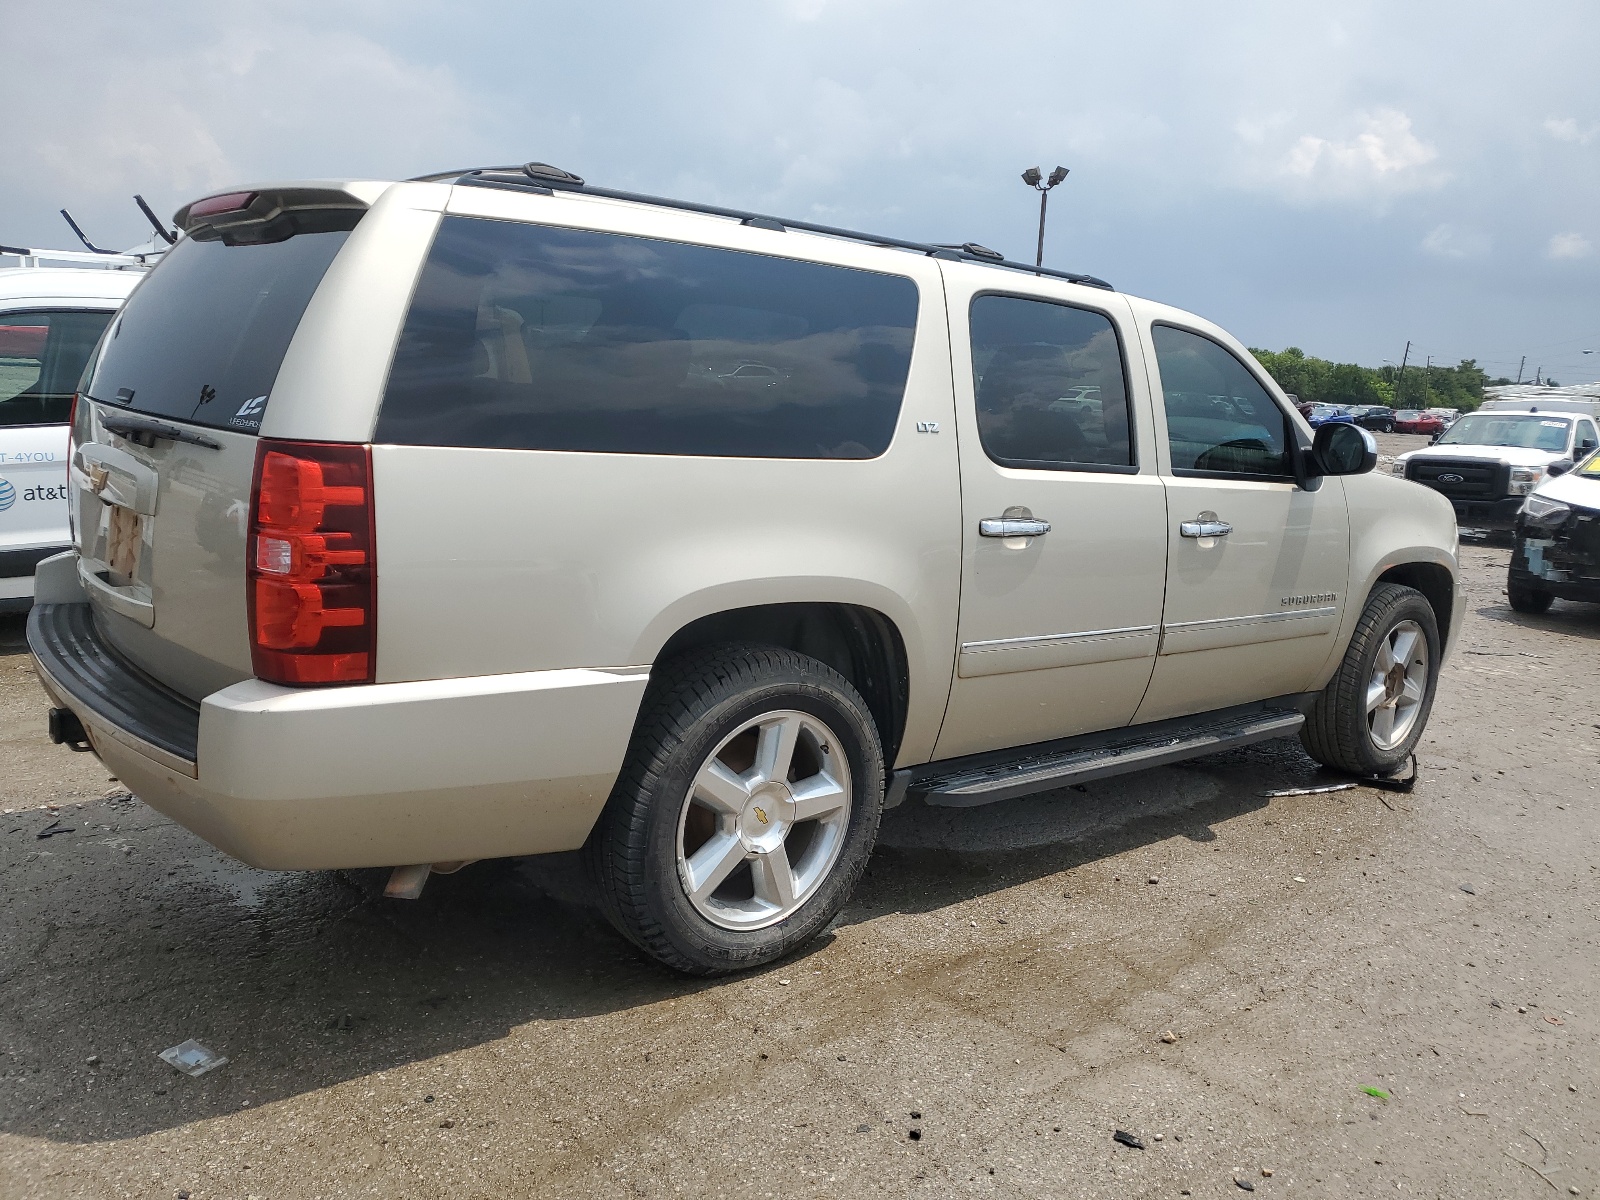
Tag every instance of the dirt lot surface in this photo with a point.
(995, 1002)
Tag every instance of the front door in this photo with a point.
(1256, 565)
(1064, 514)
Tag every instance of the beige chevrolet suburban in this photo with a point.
(494, 513)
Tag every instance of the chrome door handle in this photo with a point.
(1205, 529)
(1009, 527)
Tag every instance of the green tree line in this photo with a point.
(1322, 382)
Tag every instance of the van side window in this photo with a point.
(537, 338)
(41, 356)
(1220, 421)
(1049, 385)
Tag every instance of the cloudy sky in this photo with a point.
(1342, 177)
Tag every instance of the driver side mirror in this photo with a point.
(1341, 449)
(1560, 467)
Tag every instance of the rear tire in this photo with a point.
(747, 807)
(1527, 599)
(1369, 718)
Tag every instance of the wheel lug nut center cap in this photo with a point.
(767, 815)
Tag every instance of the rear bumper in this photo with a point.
(370, 776)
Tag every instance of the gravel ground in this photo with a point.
(1219, 973)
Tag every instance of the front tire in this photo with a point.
(1369, 718)
(745, 812)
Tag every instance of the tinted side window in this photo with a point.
(41, 356)
(537, 338)
(1049, 385)
(1219, 419)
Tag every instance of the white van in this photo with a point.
(50, 319)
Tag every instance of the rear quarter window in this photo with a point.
(538, 338)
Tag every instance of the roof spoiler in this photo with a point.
(273, 212)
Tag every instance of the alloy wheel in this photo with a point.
(1398, 685)
(764, 820)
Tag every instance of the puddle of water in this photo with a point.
(246, 886)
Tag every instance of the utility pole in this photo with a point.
(1520, 366)
(1427, 382)
(1401, 375)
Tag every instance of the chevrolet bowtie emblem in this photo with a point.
(761, 814)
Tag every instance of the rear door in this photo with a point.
(1256, 565)
(1063, 513)
(161, 520)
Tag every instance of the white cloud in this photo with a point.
(1567, 246)
(230, 102)
(1386, 156)
(1565, 129)
(1452, 241)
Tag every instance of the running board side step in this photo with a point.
(987, 778)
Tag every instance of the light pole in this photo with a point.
(1034, 179)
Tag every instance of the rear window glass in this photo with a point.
(202, 338)
(42, 354)
(1049, 385)
(536, 338)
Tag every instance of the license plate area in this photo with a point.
(114, 498)
(124, 545)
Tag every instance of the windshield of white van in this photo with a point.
(201, 338)
(1524, 430)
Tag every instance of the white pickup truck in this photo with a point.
(494, 514)
(50, 320)
(1489, 461)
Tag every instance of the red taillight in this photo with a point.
(313, 581)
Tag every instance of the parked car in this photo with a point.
(50, 319)
(1377, 417)
(1487, 462)
(1323, 414)
(1557, 550)
(1411, 420)
(502, 571)
(1448, 415)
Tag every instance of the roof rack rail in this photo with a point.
(111, 260)
(541, 177)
